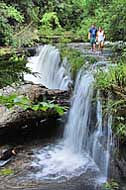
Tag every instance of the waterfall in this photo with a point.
(102, 139)
(77, 128)
(78, 135)
(84, 145)
(49, 70)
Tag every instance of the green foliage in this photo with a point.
(9, 16)
(33, 13)
(11, 12)
(12, 69)
(25, 37)
(116, 75)
(14, 14)
(64, 39)
(108, 14)
(25, 103)
(5, 172)
(112, 185)
(120, 131)
(50, 20)
(75, 59)
(12, 100)
(50, 26)
(119, 52)
(117, 107)
(117, 20)
(114, 81)
(44, 106)
(52, 17)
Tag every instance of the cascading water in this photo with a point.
(80, 149)
(68, 157)
(77, 128)
(83, 146)
(101, 140)
(49, 70)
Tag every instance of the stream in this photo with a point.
(80, 159)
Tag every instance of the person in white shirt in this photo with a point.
(100, 39)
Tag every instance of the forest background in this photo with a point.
(28, 21)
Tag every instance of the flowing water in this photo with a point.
(77, 128)
(48, 69)
(101, 140)
(84, 146)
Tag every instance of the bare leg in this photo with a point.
(91, 47)
(99, 47)
(102, 46)
(94, 47)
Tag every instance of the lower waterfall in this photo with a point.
(83, 146)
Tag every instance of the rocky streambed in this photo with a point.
(20, 171)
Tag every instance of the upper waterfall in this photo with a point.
(49, 69)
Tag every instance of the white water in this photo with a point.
(102, 140)
(59, 162)
(83, 146)
(68, 157)
(49, 69)
(77, 128)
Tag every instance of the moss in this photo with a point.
(5, 172)
(76, 59)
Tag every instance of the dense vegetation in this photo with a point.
(112, 83)
(12, 69)
(27, 21)
(76, 59)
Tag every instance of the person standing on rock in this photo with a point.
(92, 37)
(100, 39)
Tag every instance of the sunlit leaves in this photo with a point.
(50, 20)
(116, 75)
(25, 103)
(8, 16)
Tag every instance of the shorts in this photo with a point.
(93, 41)
(100, 40)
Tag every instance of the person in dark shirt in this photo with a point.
(92, 37)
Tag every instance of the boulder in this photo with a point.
(17, 118)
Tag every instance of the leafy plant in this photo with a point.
(12, 100)
(115, 75)
(112, 185)
(50, 20)
(9, 16)
(25, 103)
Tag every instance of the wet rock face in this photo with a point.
(39, 93)
(118, 164)
(31, 51)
